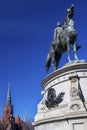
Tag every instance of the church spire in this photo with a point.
(8, 100)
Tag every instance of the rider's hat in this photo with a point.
(58, 24)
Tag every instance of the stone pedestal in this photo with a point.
(67, 111)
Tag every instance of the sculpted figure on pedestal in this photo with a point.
(64, 36)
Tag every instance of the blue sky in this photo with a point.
(26, 31)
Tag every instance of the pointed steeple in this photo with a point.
(8, 108)
(8, 100)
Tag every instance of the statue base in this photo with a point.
(68, 112)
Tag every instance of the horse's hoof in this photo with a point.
(76, 59)
(70, 61)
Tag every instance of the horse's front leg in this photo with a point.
(74, 48)
(68, 50)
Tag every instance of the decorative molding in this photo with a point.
(74, 88)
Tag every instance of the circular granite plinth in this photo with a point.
(67, 69)
(74, 104)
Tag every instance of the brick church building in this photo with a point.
(9, 121)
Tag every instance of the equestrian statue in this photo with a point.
(64, 35)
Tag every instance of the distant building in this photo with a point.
(9, 121)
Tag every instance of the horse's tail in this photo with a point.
(78, 47)
(48, 62)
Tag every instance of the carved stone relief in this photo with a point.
(74, 88)
(52, 99)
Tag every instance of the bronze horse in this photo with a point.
(67, 37)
